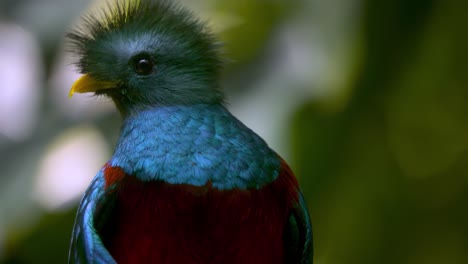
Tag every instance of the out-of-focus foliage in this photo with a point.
(47, 242)
(256, 21)
(385, 171)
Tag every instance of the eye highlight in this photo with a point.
(143, 65)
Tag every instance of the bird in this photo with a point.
(188, 182)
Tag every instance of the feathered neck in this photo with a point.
(195, 145)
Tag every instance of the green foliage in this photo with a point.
(257, 20)
(386, 175)
(47, 242)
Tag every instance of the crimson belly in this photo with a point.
(156, 222)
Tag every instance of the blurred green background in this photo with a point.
(367, 100)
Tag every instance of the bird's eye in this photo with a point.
(144, 66)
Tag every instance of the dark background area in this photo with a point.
(367, 100)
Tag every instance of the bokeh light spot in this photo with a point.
(20, 82)
(68, 167)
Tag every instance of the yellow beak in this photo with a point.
(86, 84)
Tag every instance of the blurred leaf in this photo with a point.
(253, 23)
(385, 175)
(47, 242)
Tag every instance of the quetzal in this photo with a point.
(188, 182)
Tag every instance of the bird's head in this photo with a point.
(146, 53)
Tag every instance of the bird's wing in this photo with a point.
(86, 244)
(298, 234)
(298, 240)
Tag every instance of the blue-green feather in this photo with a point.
(194, 145)
(86, 244)
(306, 226)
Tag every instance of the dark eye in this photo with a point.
(144, 65)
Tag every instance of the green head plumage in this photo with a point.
(147, 53)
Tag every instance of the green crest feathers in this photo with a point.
(133, 16)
